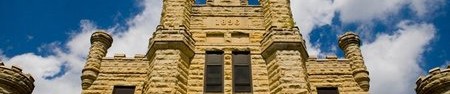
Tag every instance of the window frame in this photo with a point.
(115, 88)
(249, 70)
(328, 88)
(221, 64)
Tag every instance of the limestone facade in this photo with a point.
(14, 81)
(176, 60)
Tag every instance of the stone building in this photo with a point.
(13, 81)
(225, 46)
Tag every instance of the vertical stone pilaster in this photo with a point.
(349, 42)
(176, 14)
(228, 72)
(100, 42)
(287, 73)
(167, 73)
(196, 74)
(259, 75)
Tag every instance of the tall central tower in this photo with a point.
(225, 47)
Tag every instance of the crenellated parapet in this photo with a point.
(436, 82)
(100, 42)
(349, 43)
(14, 81)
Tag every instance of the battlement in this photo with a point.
(436, 82)
(13, 80)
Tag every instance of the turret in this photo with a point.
(436, 82)
(13, 81)
(100, 42)
(349, 42)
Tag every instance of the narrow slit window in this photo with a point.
(241, 72)
(214, 72)
(123, 89)
(200, 2)
(327, 90)
(253, 2)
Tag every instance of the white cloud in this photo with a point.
(393, 60)
(309, 14)
(367, 10)
(131, 41)
(446, 64)
(2, 56)
(424, 7)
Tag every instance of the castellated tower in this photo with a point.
(225, 47)
(436, 82)
(13, 81)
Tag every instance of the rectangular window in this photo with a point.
(241, 72)
(200, 1)
(123, 89)
(214, 72)
(327, 90)
(253, 2)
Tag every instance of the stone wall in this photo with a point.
(120, 71)
(332, 72)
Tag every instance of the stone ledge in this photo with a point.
(124, 57)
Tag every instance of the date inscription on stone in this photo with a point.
(226, 22)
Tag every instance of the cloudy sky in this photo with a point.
(401, 39)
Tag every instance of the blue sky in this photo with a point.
(28, 24)
(401, 38)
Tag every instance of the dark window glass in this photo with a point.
(328, 90)
(213, 73)
(253, 2)
(123, 89)
(241, 72)
(200, 1)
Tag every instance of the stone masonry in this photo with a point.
(436, 82)
(175, 61)
(13, 81)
